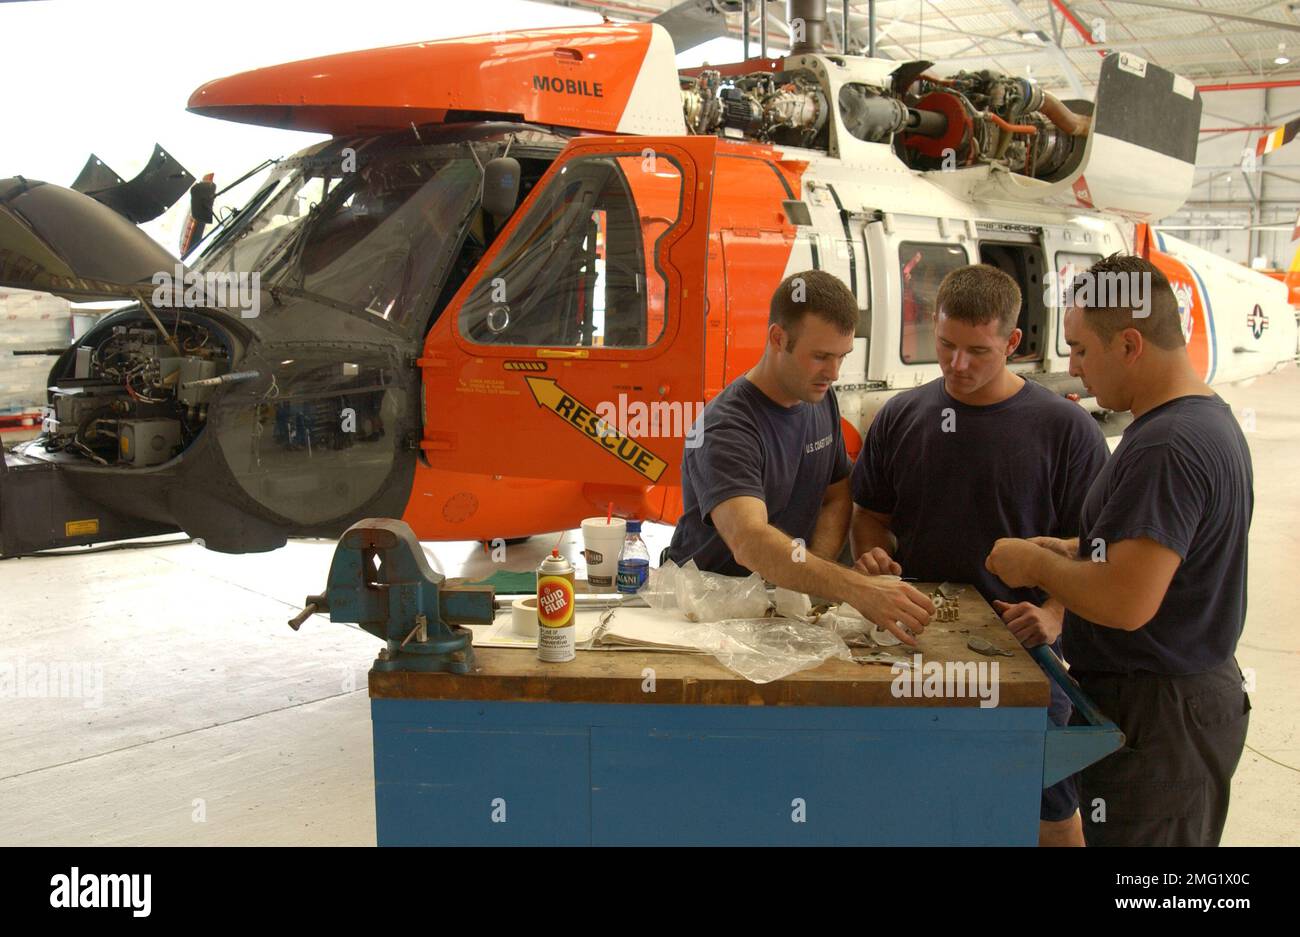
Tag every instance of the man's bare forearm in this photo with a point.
(1066, 548)
(772, 554)
(1088, 589)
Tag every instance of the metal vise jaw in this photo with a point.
(380, 579)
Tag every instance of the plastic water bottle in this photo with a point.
(634, 561)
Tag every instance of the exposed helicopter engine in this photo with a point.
(932, 123)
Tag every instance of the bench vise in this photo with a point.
(379, 579)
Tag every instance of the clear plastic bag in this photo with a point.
(660, 589)
(849, 624)
(714, 597)
(765, 649)
(792, 604)
(702, 596)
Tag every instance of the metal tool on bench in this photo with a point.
(379, 578)
(583, 601)
(987, 648)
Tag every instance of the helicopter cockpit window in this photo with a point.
(382, 243)
(922, 268)
(376, 238)
(290, 203)
(580, 269)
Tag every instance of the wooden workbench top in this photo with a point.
(601, 676)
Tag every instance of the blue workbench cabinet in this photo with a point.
(593, 751)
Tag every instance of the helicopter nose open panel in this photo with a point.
(56, 240)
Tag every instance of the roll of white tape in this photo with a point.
(524, 617)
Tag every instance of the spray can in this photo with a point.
(555, 604)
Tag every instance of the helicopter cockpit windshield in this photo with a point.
(367, 228)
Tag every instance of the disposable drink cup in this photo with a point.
(601, 545)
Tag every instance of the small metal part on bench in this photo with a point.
(379, 579)
(945, 605)
(981, 646)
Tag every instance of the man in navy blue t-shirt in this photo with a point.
(1155, 586)
(980, 453)
(767, 488)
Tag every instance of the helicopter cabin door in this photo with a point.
(575, 350)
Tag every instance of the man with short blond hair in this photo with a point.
(980, 453)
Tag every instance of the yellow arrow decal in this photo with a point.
(549, 394)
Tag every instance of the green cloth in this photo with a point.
(508, 583)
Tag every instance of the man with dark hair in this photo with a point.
(1155, 584)
(767, 488)
(1123, 292)
(980, 453)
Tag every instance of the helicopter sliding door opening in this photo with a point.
(1021, 257)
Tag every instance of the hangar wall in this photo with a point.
(1225, 195)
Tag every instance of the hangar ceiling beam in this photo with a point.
(1073, 21)
(1250, 85)
(1069, 71)
(1214, 14)
(1117, 45)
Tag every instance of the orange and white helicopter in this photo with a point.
(1291, 276)
(496, 298)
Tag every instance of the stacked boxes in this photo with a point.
(29, 320)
